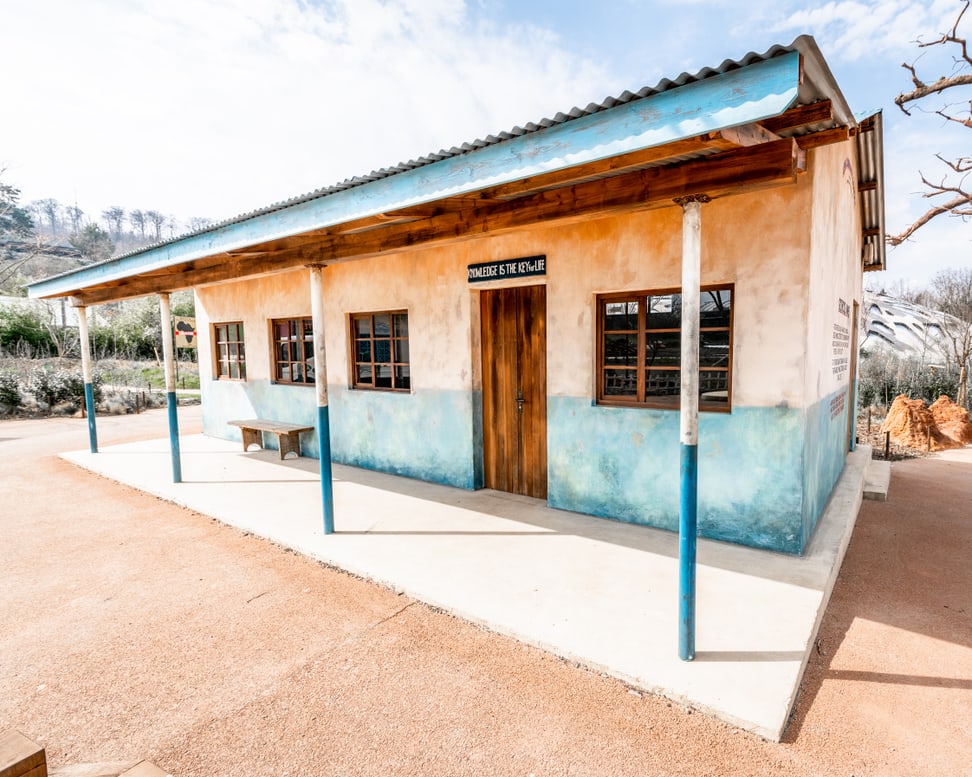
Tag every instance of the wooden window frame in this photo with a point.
(306, 336)
(641, 369)
(222, 366)
(356, 363)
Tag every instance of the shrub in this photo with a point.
(53, 385)
(10, 390)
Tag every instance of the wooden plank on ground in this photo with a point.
(21, 757)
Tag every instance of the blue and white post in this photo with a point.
(89, 401)
(689, 420)
(320, 383)
(168, 353)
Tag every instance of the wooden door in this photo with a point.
(515, 390)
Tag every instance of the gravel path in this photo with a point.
(131, 628)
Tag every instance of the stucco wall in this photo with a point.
(607, 461)
(835, 285)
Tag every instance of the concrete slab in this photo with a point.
(598, 592)
(877, 480)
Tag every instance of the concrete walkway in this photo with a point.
(601, 593)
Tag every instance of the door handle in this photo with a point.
(519, 401)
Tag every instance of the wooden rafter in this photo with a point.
(767, 164)
(801, 116)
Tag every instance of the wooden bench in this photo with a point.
(288, 435)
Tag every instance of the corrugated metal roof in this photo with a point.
(818, 84)
(870, 181)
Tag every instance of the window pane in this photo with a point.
(242, 370)
(383, 325)
(362, 373)
(362, 326)
(403, 379)
(382, 349)
(234, 370)
(714, 349)
(308, 329)
(242, 352)
(714, 386)
(283, 352)
(283, 372)
(661, 383)
(620, 349)
(621, 383)
(663, 349)
(715, 307)
(234, 352)
(223, 352)
(363, 351)
(308, 351)
(620, 316)
(401, 351)
(383, 376)
(282, 330)
(665, 311)
(400, 324)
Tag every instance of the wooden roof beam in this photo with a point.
(800, 116)
(823, 138)
(768, 164)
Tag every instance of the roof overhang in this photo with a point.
(870, 185)
(741, 127)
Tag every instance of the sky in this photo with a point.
(212, 108)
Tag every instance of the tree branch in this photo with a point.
(924, 90)
(946, 207)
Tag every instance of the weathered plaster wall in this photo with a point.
(623, 463)
(835, 284)
(612, 462)
(254, 303)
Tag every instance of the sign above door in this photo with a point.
(508, 268)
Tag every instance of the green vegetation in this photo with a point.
(55, 386)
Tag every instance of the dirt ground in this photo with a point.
(131, 628)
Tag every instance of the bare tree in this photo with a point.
(75, 216)
(51, 210)
(950, 193)
(199, 222)
(65, 338)
(157, 220)
(137, 219)
(951, 292)
(114, 216)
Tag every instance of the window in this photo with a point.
(639, 348)
(230, 353)
(293, 350)
(380, 351)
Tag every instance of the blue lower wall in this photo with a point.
(825, 452)
(623, 463)
(764, 473)
(427, 435)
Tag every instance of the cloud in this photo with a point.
(214, 107)
(854, 30)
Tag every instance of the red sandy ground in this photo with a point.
(131, 628)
